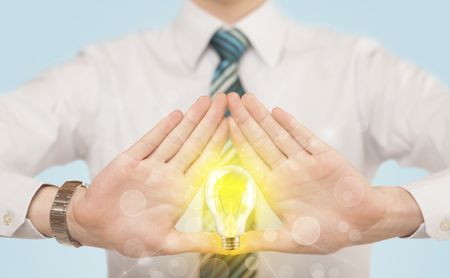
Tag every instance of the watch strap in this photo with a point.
(58, 213)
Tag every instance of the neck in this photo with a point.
(229, 11)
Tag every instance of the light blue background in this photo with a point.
(37, 34)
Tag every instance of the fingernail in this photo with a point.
(213, 97)
(175, 113)
(202, 97)
(275, 108)
(233, 96)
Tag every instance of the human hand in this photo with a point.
(324, 204)
(133, 204)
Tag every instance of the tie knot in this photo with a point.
(229, 44)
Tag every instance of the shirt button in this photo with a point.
(7, 219)
(445, 225)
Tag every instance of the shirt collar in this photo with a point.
(265, 28)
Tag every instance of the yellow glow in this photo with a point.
(230, 195)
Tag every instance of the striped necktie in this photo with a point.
(230, 45)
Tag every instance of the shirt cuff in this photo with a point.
(421, 232)
(432, 194)
(27, 230)
(16, 193)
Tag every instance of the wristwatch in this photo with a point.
(58, 217)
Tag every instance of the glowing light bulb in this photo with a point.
(230, 195)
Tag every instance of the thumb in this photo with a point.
(255, 241)
(201, 242)
(279, 240)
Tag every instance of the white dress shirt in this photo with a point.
(364, 102)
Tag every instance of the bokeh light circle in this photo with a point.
(333, 272)
(306, 230)
(178, 267)
(132, 203)
(349, 191)
(355, 235)
(270, 235)
(134, 248)
(343, 227)
(285, 272)
(318, 274)
(153, 273)
(217, 266)
(251, 263)
(317, 270)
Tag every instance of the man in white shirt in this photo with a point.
(96, 106)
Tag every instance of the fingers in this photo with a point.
(201, 135)
(210, 156)
(173, 142)
(256, 241)
(301, 134)
(248, 157)
(255, 135)
(151, 140)
(219, 139)
(282, 139)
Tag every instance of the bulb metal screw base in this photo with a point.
(230, 243)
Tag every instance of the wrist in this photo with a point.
(76, 230)
(402, 216)
(39, 209)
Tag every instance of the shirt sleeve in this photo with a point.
(407, 116)
(43, 123)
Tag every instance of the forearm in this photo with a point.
(402, 216)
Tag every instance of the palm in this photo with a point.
(326, 197)
(315, 192)
(134, 203)
(130, 198)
